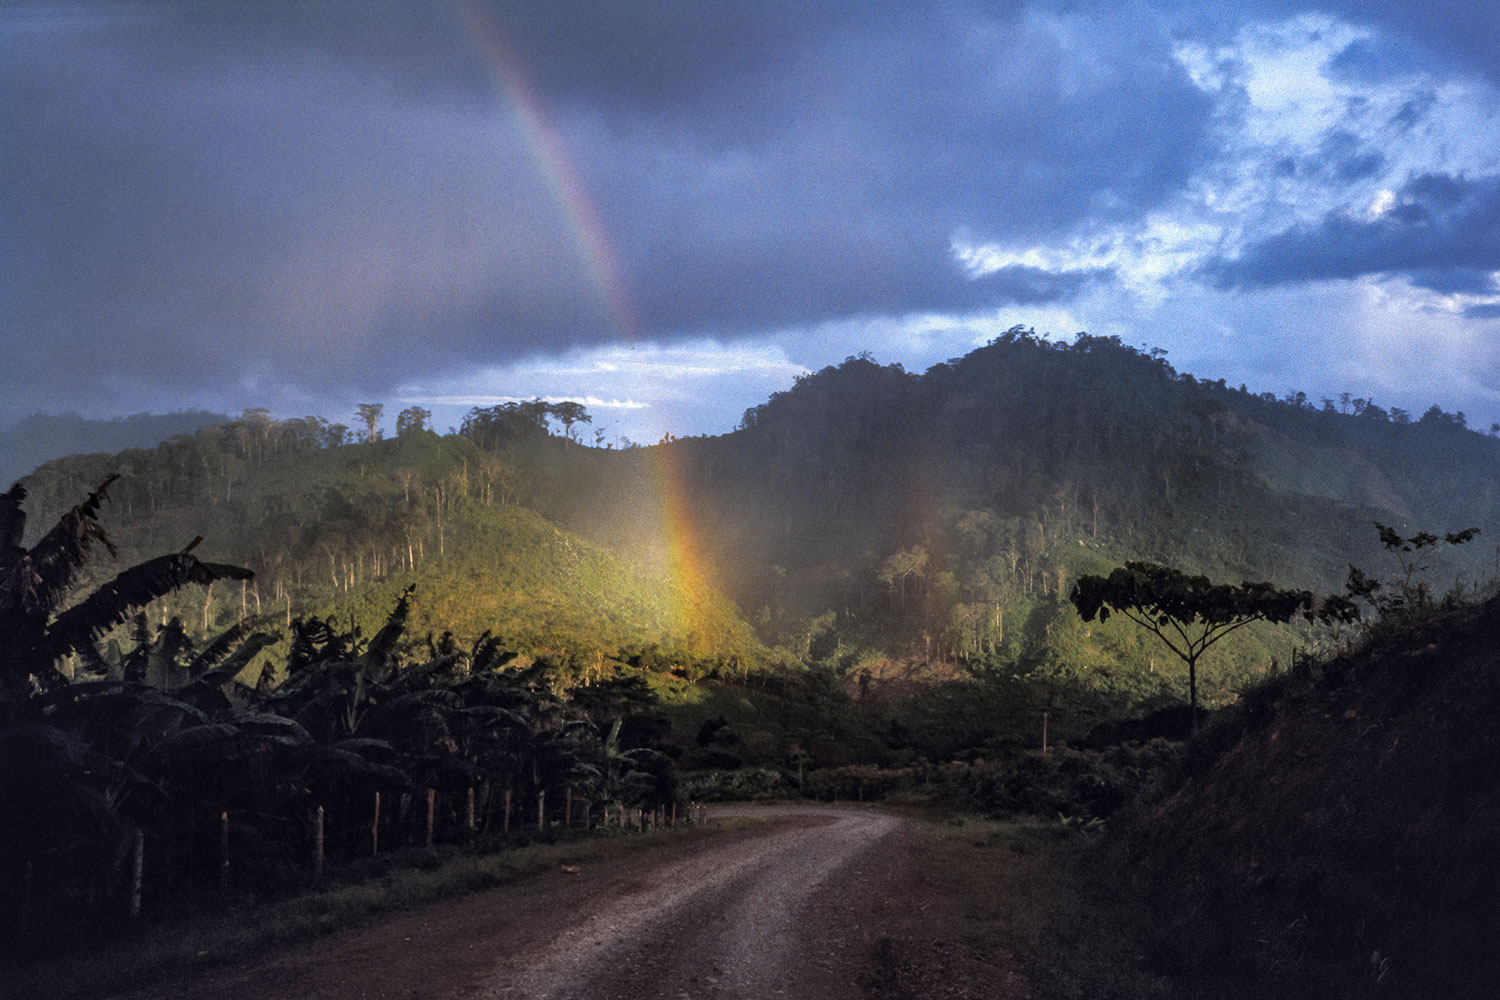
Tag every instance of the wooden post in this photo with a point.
(137, 872)
(507, 811)
(23, 920)
(568, 809)
(469, 812)
(431, 813)
(541, 809)
(674, 813)
(318, 843)
(224, 851)
(375, 828)
(1045, 716)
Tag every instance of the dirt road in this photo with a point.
(804, 907)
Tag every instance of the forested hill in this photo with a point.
(946, 513)
(340, 529)
(866, 514)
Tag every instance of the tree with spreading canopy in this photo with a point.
(412, 420)
(569, 413)
(369, 415)
(1189, 614)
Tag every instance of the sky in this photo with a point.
(670, 210)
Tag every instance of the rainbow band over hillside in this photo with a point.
(576, 210)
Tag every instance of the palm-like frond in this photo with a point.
(236, 661)
(268, 725)
(136, 587)
(384, 643)
(214, 653)
(56, 559)
(217, 739)
(12, 525)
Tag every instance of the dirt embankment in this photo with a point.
(1343, 837)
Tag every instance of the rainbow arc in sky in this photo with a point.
(579, 216)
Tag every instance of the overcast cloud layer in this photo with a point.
(670, 209)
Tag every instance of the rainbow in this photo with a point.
(548, 152)
(680, 537)
(685, 557)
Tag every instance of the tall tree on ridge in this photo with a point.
(369, 413)
(412, 420)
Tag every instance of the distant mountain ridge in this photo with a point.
(43, 437)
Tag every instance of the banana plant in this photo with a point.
(35, 583)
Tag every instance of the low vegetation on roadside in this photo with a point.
(398, 882)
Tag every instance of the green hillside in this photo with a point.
(343, 531)
(898, 530)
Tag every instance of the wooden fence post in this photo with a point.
(318, 843)
(137, 872)
(541, 809)
(431, 814)
(224, 851)
(23, 920)
(568, 809)
(375, 828)
(469, 812)
(507, 810)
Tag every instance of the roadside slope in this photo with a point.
(1341, 837)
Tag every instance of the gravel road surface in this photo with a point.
(803, 907)
(749, 920)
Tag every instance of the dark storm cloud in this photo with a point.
(294, 199)
(1341, 158)
(1442, 232)
(1465, 31)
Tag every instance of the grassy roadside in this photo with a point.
(1042, 898)
(413, 879)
